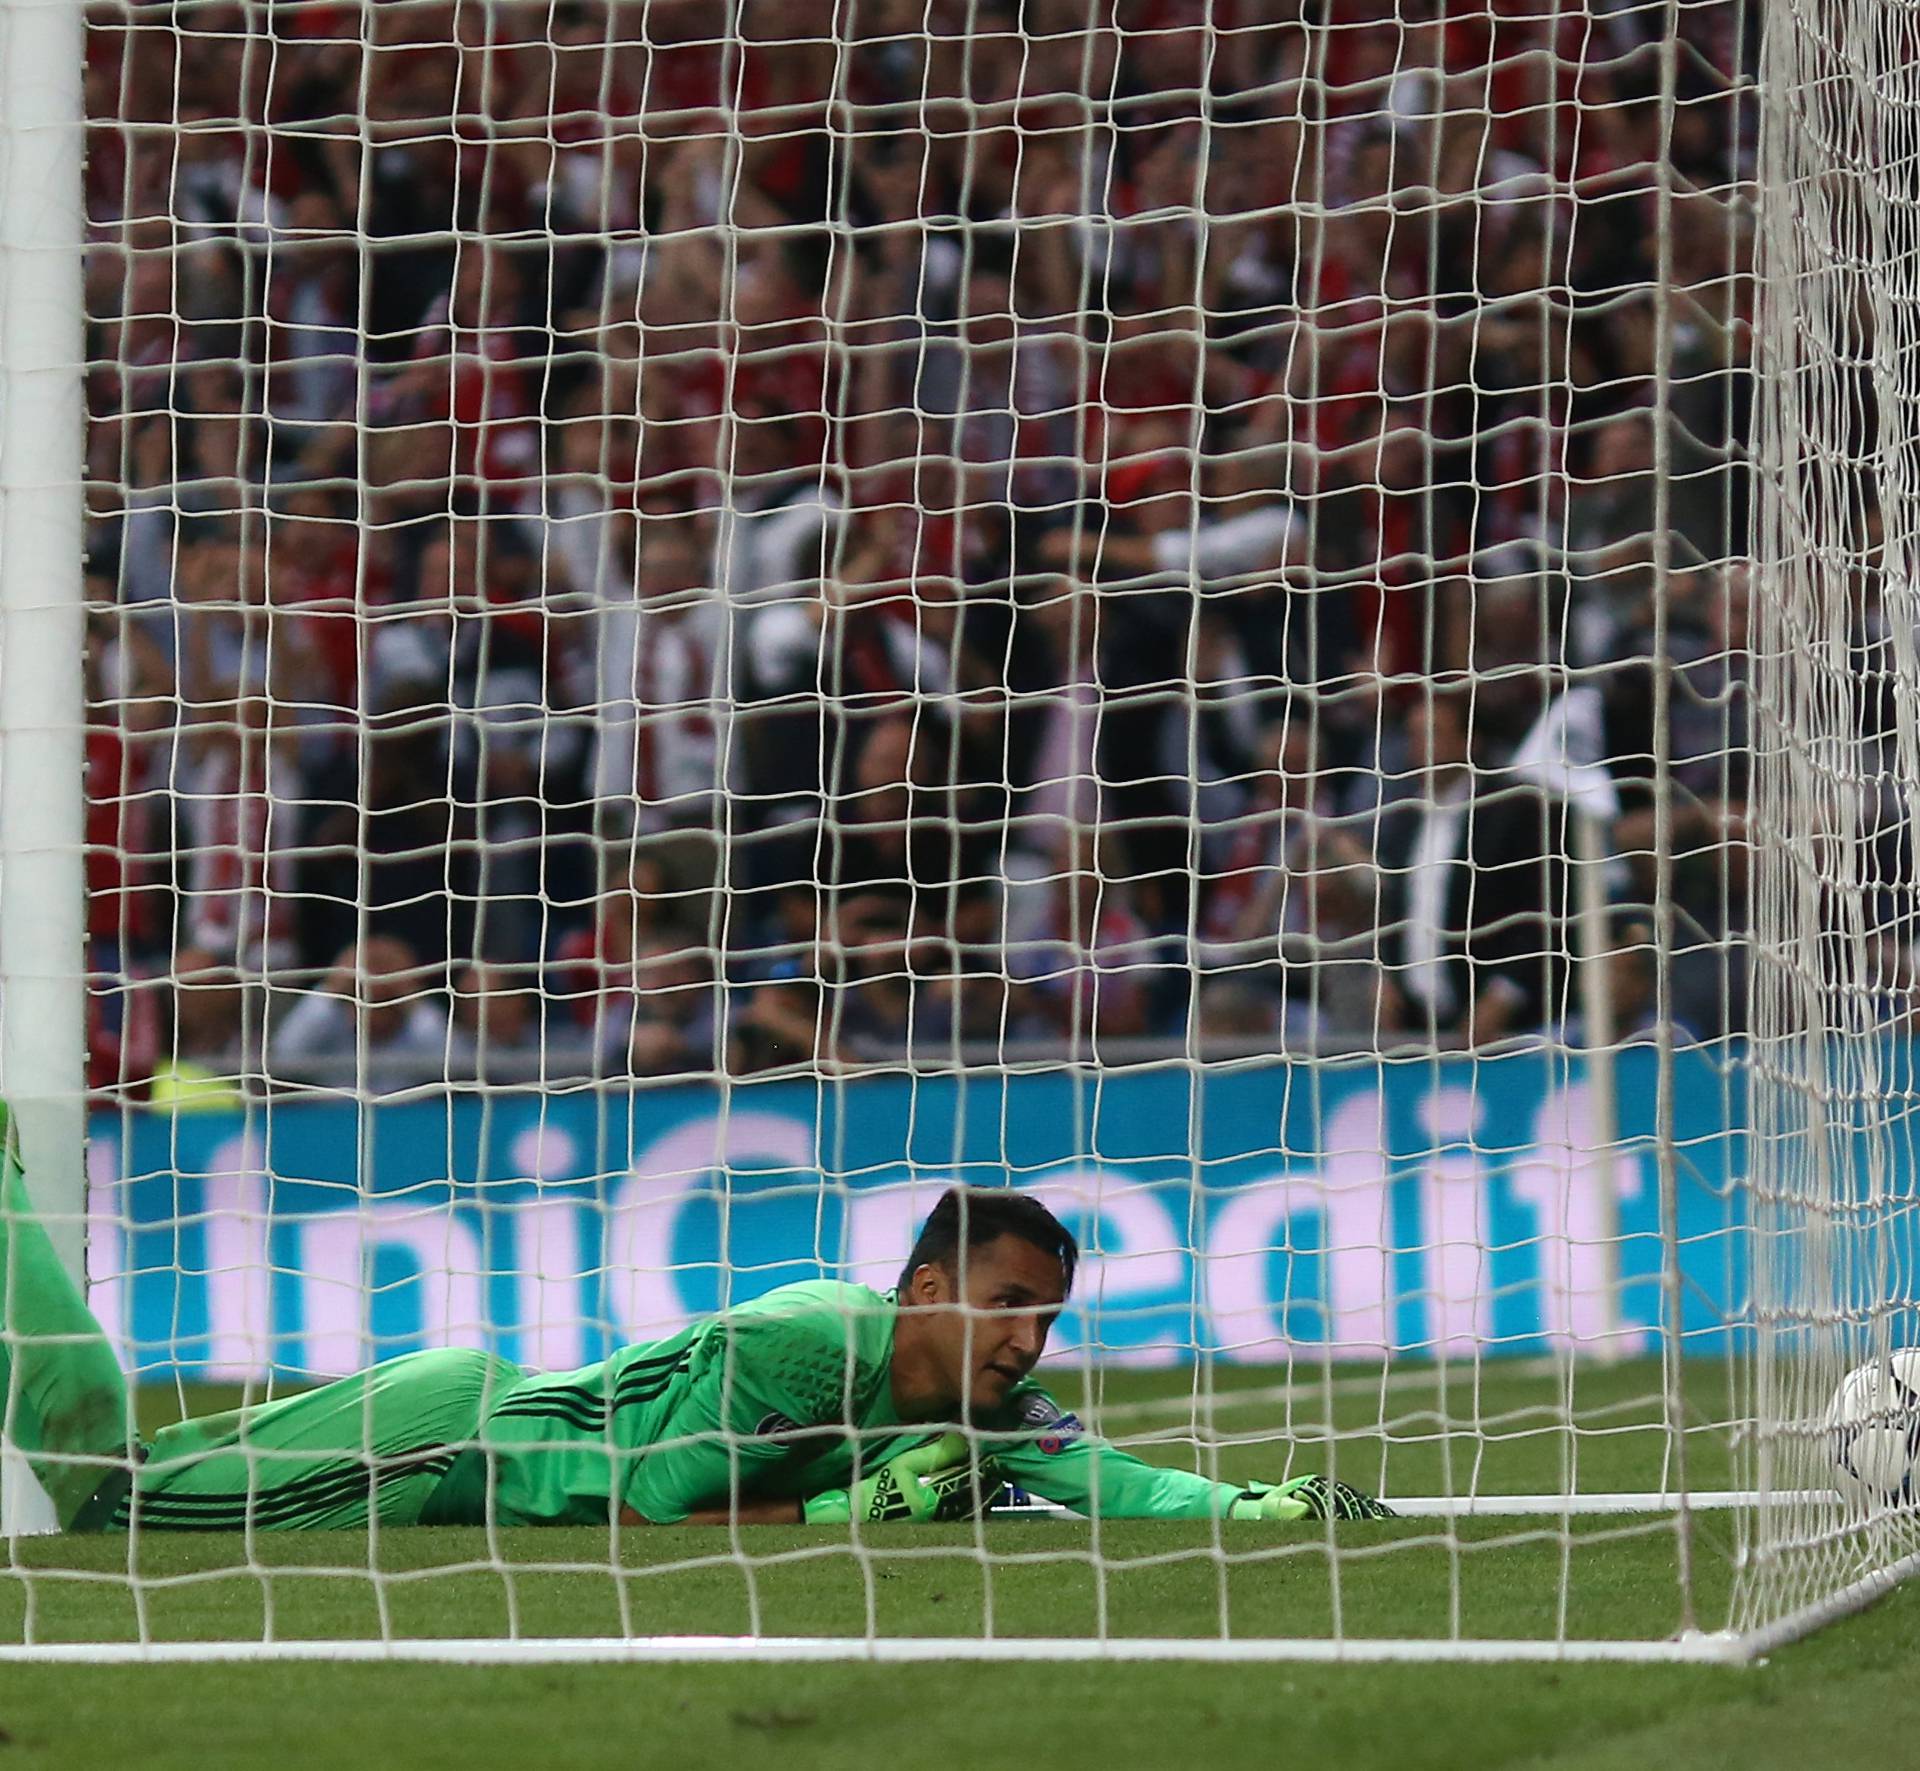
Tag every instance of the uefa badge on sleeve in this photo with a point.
(1060, 1434)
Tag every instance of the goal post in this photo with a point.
(42, 887)
(701, 623)
(42, 546)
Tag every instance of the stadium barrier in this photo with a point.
(1273, 1212)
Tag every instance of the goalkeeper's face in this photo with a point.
(1011, 1293)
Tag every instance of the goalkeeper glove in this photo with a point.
(1307, 1497)
(936, 1481)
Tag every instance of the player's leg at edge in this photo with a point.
(378, 1442)
(64, 1397)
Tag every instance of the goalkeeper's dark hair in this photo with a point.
(974, 1216)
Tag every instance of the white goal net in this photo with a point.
(705, 620)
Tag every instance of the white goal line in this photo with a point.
(1699, 1647)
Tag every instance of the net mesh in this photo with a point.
(706, 620)
(1832, 1169)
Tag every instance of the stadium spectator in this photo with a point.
(387, 838)
(200, 1066)
(1091, 967)
(377, 1022)
(1290, 900)
(588, 494)
(502, 1027)
(1476, 868)
(776, 502)
(672, 1014)
(778, 1020)
(237, 837)
(662, 687)
(522, 684)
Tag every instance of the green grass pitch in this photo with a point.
(1845, 1690)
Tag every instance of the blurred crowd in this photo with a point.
(949, 528)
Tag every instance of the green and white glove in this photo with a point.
(938, 1481)
(1307, 1497)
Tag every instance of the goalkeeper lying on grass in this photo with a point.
(818, 1402)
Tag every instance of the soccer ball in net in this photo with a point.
(1875, 1420)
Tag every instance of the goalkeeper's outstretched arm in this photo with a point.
(1058, 1460)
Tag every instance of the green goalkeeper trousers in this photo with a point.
(370, 1447)
(63, 1402)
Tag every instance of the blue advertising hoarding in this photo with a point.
(1285, 1209)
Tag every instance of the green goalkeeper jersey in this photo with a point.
(780, 1398)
